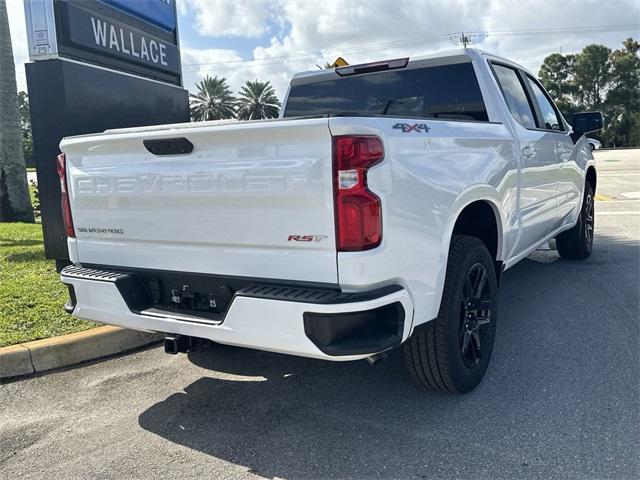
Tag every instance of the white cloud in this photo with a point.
(198, 63)
(407, 27)
(228, 18)
(359, 31)
(304, 33)
(199, 59)
(530, 50)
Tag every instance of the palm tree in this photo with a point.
(14, 193)
(257, 100)
(213, 101)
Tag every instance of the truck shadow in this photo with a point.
(551, 384)
(12, 242)
(25, 256)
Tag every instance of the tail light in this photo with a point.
(66, 206)
(358, 211)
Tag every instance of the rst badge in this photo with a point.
(415, 127)
(306, 238)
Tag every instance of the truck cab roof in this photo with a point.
(443, 57)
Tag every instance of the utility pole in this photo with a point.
(462, 39)
(560, 82)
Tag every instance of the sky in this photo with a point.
(272, 39)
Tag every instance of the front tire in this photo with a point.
(576, 244)
(452, 353)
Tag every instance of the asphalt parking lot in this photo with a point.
(561, 398)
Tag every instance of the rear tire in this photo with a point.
(452, 353)
(576, 244)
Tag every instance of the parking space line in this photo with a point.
(619, 213)
(631, 195)
(621, 174)
(602, 197)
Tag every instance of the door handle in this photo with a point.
(564, 152)
(528, 151)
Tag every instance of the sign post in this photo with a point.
(97, 64)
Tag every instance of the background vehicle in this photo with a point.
(380, 210)
(593, 143)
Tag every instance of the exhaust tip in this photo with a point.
(171, 345)
(377, 358)
(174, 344)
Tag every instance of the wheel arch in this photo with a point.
(591, 177)
(479, 219)
(469, 202)
(468, 213)
(492, 201)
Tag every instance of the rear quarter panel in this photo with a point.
(424, 182)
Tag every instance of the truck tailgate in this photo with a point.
(252, 200)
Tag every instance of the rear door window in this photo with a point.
(550, 115)
(443, 92)
(515, 95)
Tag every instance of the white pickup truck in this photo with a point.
(379, 210)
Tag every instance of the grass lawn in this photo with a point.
(31, 295)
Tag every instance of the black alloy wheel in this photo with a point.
(588, 220)
(577, 242)
(452, 352)
(475, 315)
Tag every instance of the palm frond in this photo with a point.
(213, 100)
(257, 100)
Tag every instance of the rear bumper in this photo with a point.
(332, 327)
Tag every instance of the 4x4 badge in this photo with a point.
(416, 127)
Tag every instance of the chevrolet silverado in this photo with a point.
(379, 210)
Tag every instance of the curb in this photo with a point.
(66, 350)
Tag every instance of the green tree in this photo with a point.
(214, 100)
(556, 74)
(592, 73)
(257, 100)
(625, 76)
(622, 106)
(599, 79)
(15, 204)
(634, 134)
(25, 125)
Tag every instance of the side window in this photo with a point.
(515, 95)
(552, 120)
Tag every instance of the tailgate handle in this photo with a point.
(169, 146)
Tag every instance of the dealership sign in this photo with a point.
(117, 39)
(159, 12)
(136, 36)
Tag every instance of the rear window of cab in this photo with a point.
(449, 92)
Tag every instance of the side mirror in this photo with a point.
(587, 122)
